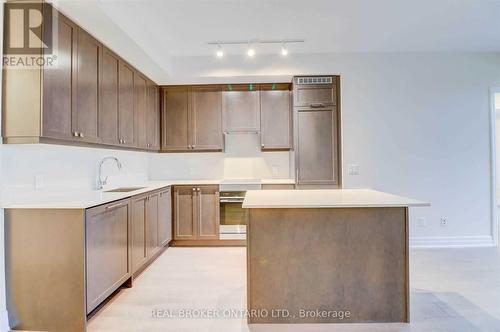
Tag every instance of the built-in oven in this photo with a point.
(233, 217)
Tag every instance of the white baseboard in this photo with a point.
(4, 321)
(452, 241)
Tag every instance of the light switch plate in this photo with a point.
(353, 169)
(39, 182)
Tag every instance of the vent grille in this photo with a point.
(314, 80)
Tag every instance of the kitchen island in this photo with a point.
(327, 256)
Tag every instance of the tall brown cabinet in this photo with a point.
(317, 132)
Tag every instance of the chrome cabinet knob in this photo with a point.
(75, 133)
(80, 134)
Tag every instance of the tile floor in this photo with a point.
(451, 290)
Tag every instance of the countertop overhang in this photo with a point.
(325, 198)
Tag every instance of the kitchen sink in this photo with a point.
(123, 189)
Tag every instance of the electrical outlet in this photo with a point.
(39, 182)
(353, 169)
(444, 222)
(274, 170)
(421, 222)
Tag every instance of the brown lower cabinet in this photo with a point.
(151, 226)
(196, 212)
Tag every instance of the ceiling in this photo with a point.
(183, 28)
(167, 39)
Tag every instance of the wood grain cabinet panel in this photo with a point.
(276, 119)
(207, 212)
(58, 84)
(205, 123)
(165, 217)
(196, 212)
(184, 213)
(175, 119)
(108, 93)
(153, 117)
(317, 147)
(86, 116)
(139, 251)
(140, 110)
(152, 224)
(241, 111)
(311, 96)
(107, 242)
(126, 130)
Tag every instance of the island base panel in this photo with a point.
(330, 265)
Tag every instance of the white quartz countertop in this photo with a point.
(326, 198)
(82, 199)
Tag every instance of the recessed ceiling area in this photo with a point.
(167, 29)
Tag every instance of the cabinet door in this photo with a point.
(175, 119)
(126, 105)
(86, 116)
(58, 84)
(314, 95)
(140, 110)
(108, 114)
(275, 112)
(138, 252)
(240, 111)
(317, 155)
(164, 217)
(206, 119)
(107, 264)
(184, 220)
(152, 224)
(153, 117)
(207, 212)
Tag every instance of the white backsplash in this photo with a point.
(242, 159)
(56, 168)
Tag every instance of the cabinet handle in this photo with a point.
(75, 133)
(113, 206)
(198, 189)
(194, 189)
(149, 145)
(192, 146)
(262, 145)
(317, 105)
(80, 134)
(124, 141)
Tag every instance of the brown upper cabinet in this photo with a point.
(108, 92)
(85, 118)
(58, 101)
(90, 97)
(192, 119)
(275, 117)
(126, 128)
(175, 119)
(153, 118)
(140, 110)
(240, 108)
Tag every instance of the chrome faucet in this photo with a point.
(101, 183)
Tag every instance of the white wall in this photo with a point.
(417, 124)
